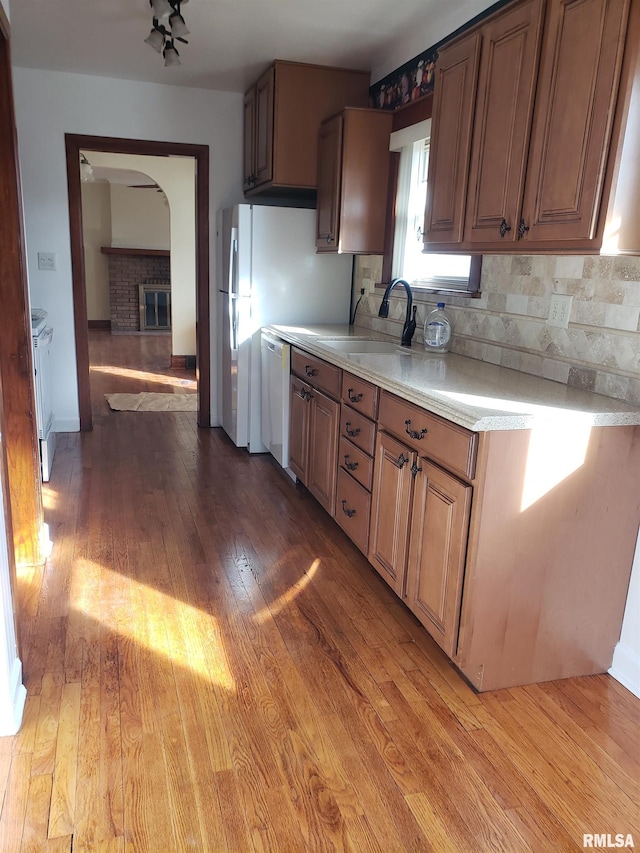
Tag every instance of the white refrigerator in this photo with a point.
(269, 274)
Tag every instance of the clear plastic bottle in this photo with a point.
(437, 330)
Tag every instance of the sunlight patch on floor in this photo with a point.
(144, 376)
(290, 595)
(180, 632)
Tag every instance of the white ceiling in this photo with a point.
(231, 41)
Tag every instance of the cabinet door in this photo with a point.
(323, 450)
(453, 108)
(439, 529)
(329, 180)
(575, 100)
(504, 107)
(299, 410)
(264, 127)
(248, 150)
(390, 510)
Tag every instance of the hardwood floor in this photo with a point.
(212, 666)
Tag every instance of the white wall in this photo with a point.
(176, 176)
(140, 217)
(96, 232)
(436, 27)
(5, 6)
(48, 105)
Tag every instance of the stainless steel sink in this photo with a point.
(363, 346)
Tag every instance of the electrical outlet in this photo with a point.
(46, 260)
(560, 310)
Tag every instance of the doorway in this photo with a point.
(74, 143)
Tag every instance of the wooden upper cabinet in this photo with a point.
(283, 112)
(249, 148)
(329, 180)
(452, 122)
(533, 174)
(264, 127)
(576, 99)
(504, 107)
(353, 172)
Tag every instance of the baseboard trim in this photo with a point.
(626, 668)
(13, 704)
(66, 425)
(100, 325)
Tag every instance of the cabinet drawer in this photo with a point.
(440, 440)
(360, 395)
(356, 462)
(358, 429)
(317, 372)
(353, 508)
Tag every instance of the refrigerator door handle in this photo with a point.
(233, 288)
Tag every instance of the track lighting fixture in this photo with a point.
(86, 170)
(168, 26)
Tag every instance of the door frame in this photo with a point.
(74, 143)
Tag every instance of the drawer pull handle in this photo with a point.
(522, 229)
(351, 432)
(402, 461)
(354, 398)
(415, 470)
(350, 465)
(304, 395)
(310, 371)
(349, 512)
(504, 228)
(412, 433)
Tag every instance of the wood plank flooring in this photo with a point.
(212, 666)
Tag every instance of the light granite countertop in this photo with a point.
(471, 393)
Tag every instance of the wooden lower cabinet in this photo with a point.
(324, 421)
(314, 420)
(299, 427)
(391, 510)
(437, 552)
(353, 507)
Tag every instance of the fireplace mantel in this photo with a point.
(120, 250)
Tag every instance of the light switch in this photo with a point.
(46, 260)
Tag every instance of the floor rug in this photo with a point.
(147, 401)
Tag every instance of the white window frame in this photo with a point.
(405, 142)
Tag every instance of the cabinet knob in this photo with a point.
(347, 511)
(414, 434)
(351, 432)
(310, 371)
(329, 238)
(415, 470)
(504, 228)
(402, 461)
(354, 398)
(522, 229)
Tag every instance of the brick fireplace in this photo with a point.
(128, 269)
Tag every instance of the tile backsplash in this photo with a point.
(599, 351)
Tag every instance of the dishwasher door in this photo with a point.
(276, 356)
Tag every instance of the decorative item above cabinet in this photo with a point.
(527, 128)
(353, 170)
(282, 115)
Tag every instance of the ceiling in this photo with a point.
(231, 41)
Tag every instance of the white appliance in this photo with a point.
(270, 274)
(42, 336)
(276, 363)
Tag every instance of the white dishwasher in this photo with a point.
(276, 359)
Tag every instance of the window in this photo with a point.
(423, 270)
